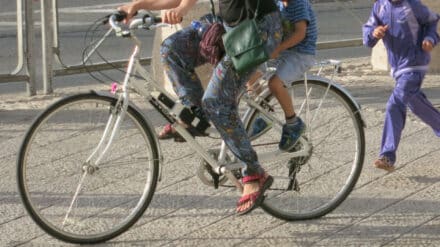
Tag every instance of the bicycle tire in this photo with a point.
(311, 186)
(49, 165)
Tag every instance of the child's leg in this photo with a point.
(278, 89)
(290, 66)
(395, 117)
(423, 109)
(407, 88)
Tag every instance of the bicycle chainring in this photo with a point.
(207, 175)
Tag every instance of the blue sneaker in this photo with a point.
(291, 134)
(259, 127)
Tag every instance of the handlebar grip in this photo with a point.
(152, 19)
(119, 15)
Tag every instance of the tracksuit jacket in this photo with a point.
(409, 24)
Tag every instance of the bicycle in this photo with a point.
(96, 142)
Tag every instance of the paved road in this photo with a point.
(397, 209)
(385, 209)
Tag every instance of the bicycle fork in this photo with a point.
(117, 113)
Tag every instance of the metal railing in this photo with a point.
(51, 50)
(24, 71)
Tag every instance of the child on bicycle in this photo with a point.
(292, 58)
(408, 30)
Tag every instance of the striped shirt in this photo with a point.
(299, 10)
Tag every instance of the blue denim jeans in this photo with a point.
(180, 56)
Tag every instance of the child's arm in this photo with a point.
(429, 20)
(298, 35)
(369, 28)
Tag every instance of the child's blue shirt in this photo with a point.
(298, 10)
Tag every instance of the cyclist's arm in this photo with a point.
(175, 15)
(136, 5)
(155, 4)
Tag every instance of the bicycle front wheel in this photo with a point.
(313, 185)
(78, 201)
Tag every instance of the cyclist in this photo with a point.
(180, 55)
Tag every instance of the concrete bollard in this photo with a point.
(379, 60)
(204, 71)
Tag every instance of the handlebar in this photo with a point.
(145, 22)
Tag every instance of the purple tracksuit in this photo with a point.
(409, 24)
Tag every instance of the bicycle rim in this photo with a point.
(312, 186)
(51, 169)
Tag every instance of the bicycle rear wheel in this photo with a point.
(52, 167)
(313, 185)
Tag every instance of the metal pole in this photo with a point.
(47, 44)
(30, 38)
(55, 24)
(19, 38)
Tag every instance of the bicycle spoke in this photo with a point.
(78, 189)
(329, 172)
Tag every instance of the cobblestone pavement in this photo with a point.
(385, 209)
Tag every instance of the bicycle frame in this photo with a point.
(145, 88)
(108, 161)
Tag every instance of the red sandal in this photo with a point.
(257, 197)
(169, 132)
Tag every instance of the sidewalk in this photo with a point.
(385, 209)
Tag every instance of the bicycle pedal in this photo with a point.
(215, 176)
(237, 174)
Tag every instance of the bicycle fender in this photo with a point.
(147, 121)
(343, 91)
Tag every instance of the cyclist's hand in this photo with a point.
(173, 16)
(379, 32)
(129, 8)
(427, 45)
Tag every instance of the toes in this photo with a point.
(243, 206)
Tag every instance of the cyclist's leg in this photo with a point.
(220, 104)
(180, 56)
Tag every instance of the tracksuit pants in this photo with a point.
(407, 93)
